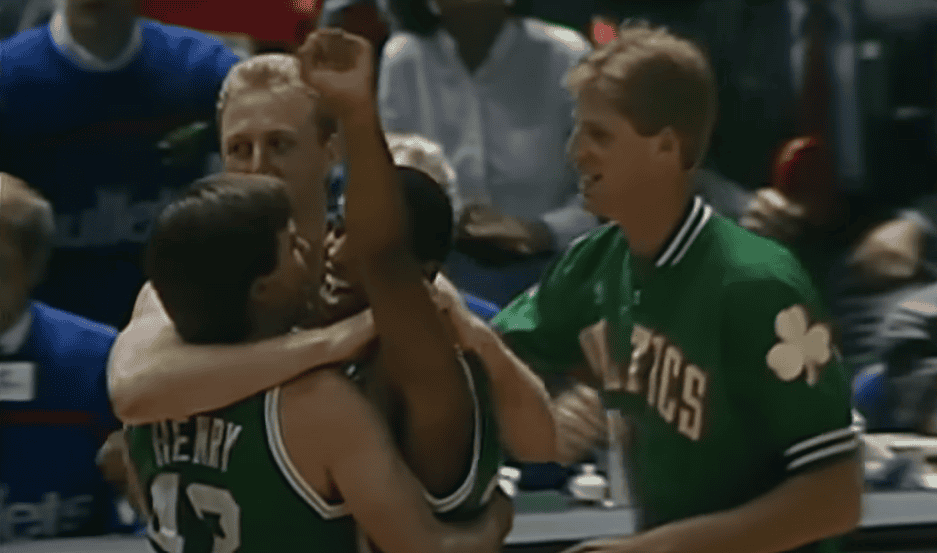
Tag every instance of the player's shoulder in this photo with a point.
(22, 48)
(588, 255)
(592, 247)
(74, 334)
(748, 258)
(561, 40)
(321, 395)
(180, 41)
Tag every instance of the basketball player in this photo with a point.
(711, 339)
(147, 339)
(295, 467)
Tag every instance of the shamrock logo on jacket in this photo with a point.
(801, 350)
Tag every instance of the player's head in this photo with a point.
(27, 227)
(645, 109)
(419, 152)
(431, 230)
(227, 261)
(270, 125)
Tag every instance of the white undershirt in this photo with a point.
(80, 56)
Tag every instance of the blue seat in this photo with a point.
(869, 395)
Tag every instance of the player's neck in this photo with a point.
(104, 39)
(264, 326)
(476, 35)
(650, 225)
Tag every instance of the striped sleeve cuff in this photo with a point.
(822, 448)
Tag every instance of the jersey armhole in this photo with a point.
(456, 498)
(287, 469)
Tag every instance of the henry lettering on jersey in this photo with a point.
(658, 371)
(206, 441)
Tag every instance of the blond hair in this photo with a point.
(275, 73)
(656, 80)
(29, 221)
(417, 151)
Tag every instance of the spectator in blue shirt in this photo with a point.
(85, 102)
(53, 392)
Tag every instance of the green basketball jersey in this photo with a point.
(715, 350)
(222, 482)
(470, 498)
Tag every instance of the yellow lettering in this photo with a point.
(666, 405)
(179, 441)
(234, 430)
(640, 341)
(200, 451)
(658, 343)
(594, 343)
(215, 441)
(694, 392)
(157, 448)
(164, 442)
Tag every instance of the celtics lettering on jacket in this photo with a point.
(658, 371)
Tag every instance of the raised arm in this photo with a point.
(416, 353)
(328, 424)
(153, 375)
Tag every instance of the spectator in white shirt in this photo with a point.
(487, 85)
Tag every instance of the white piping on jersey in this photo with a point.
(832, 436)
(665, 258)
(457, 497)
(828, 451)
(707, 213)
(289, 471)
(364, 544)
(490, 489)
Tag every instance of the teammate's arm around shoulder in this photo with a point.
(153, 375)
(526, 421)
(330, 426)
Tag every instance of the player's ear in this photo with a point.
(667, 142)
(261, 289)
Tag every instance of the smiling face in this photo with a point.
(617, 165)
(342, 293)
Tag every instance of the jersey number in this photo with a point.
(204, 500)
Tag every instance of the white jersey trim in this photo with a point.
(824, 453)
(456, 498)
(833, 436)
(689, 229)
(828, 444)
(287, 468)
(685, 227)
(707, 213)
(490, 489)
